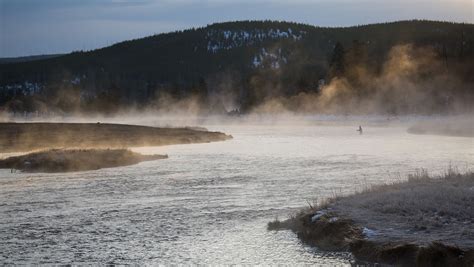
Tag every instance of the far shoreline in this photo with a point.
(456, 127)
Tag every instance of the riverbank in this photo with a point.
(423, 221)
(21, 137)
(75, 160)
(456, 127)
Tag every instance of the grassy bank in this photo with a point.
(18, 137)
(423, 221)
(75, 160)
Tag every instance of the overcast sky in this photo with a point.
(30, 27)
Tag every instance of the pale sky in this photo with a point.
(32, 27)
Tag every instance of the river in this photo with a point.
(210, 203)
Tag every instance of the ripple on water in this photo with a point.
(207, 203)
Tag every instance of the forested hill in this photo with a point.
(250, 60)
(5, 60)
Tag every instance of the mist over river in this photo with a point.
(210, 203)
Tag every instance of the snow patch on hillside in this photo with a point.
(272, 60)
(25, 88)
(229, 39)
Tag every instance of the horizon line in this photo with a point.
(234, 21)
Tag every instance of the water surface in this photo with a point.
(209, 203)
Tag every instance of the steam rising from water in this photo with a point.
(413, 80)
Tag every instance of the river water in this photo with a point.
(210, 203)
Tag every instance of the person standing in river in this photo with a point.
(360, 129)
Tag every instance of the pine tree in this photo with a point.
(336, 65)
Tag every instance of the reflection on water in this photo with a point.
(208, 203)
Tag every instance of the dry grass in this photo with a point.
(421, 209)
(419, 221)
(18, 137)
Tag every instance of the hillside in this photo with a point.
(236, 65)
(9, 60)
